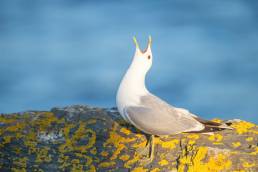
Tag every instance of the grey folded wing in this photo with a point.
(159, 118)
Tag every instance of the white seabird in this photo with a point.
(148, 112)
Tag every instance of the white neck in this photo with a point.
(131, 87)
(134, 81)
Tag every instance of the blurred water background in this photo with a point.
(57, 53)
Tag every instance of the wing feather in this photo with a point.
(154, 116)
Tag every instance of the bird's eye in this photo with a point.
(149, 57)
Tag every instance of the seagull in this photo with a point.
(149, 113)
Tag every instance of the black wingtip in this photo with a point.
(211, 126)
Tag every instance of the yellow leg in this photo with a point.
(149, 150)
(152, 148)
(144, 151)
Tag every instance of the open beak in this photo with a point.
(138, 47)
(149, 44)
(136, 44)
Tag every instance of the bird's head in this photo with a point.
(142, 59)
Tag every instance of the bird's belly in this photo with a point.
(124, 101)
(155, 128)
(157, 131)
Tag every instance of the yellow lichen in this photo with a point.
(219, 163)
(132, 161)
(124, 157)
(117, 141)
(248, 165)
(17, 150)
(139, 135)
(85, 157)
(155, 170)
(107, 164)
(93, 151)
(71, 141)
(31, 142)
(76, 166)
(125, 131)
(92, 168)
(236, 144)
(19, 169)
(216, 120)
(217, 143)
(6, 120)
(21, 163)
(19, 135)
(242, 126)
(42, 155)
(104, 153)
(167, 144)
(255, 131)
(7, 139)
(75, 161)
(45, 120)
(80, 133)
(184, 161)
(140, 145)
(67, 146)
(255, 152)
(117, 151)
(17, 127)
(198, 165)
(139, 169)
(63, 161)
(215, 163)
(163, 162)
(249, 139)
(191, 142)
(193, 136)
(193, 163)
(216, 138)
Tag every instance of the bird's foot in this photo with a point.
(143, 151)
(146, 160)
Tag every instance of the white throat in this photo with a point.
(134, 81)
(131, 88)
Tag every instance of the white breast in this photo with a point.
(131, 88)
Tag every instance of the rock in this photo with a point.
(83, 138)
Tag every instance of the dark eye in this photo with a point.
(149, 57)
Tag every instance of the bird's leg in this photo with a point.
(145, 151)
(150, 146)
(152, 151)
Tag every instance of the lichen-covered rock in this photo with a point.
(82, 138)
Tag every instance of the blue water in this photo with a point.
(75, 52)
